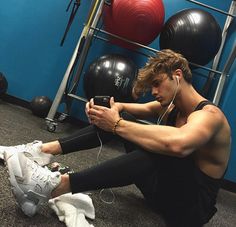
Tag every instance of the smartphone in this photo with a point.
(102, 101)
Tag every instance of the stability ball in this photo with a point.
(194, 33)
(111, 75)
(3, 84)
(138, 21)
(40, 106)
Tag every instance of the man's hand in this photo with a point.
(88, 106)
(103, 117)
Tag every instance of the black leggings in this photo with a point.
(134, 167)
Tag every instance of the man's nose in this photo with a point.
(154, 91)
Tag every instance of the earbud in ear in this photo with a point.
(177, 79)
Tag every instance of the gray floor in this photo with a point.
(19, 126)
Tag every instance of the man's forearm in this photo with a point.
(139, 110)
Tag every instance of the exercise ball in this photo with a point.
(40, 106)
(138, 21)
(3, 84)
(111, 75)
(194, 33)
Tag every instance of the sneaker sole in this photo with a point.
(26, 205)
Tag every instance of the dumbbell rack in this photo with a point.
(67, 89)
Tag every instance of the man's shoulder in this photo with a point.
(208, 113)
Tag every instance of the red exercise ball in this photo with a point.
(137, 20)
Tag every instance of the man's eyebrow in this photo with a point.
(157, 80)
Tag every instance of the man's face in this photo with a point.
(163, 89)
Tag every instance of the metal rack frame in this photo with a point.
(78, 57)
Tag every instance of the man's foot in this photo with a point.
(31, 150)
(31, 184)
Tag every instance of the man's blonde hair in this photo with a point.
(166, 61)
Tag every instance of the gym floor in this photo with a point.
(19, 125)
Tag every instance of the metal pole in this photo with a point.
(213, 8)
(145, 47)
(223, 76)
(80, 45)
(87, 45)
(216, 60)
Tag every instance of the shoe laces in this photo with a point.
(40, 173)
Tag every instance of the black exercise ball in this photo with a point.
(40, 106)
(194, 33)
(3, 84)
(111, 75)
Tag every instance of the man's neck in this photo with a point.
(187, 100)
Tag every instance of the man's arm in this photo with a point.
(180, 142)
(141, 110)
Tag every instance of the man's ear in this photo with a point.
(178, 73)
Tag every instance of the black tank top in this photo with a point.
(171, 120)
(183, 180)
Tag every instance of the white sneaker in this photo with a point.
(31, 150)
(31, 184)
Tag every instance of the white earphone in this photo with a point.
(175, 92)
(177, 80)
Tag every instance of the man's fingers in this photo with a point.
(112, 102)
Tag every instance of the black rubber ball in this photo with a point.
(40, 106)
(3, 84)
(194, 33)
(111, 75)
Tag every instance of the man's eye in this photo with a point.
(156, 84)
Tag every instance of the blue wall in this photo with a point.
(30, 53)
(34, 62)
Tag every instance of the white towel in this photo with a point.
(72, 209)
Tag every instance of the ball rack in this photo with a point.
(67, 89)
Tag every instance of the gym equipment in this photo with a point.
(194, 33)
(138, 21)
(3, 84)
(111, 75)
(232, 14)
(228, 22)
(229, 62)
(78, 57)
(66, 92)
(40, 105)
(72, 16)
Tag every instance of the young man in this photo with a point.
(178, 164)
